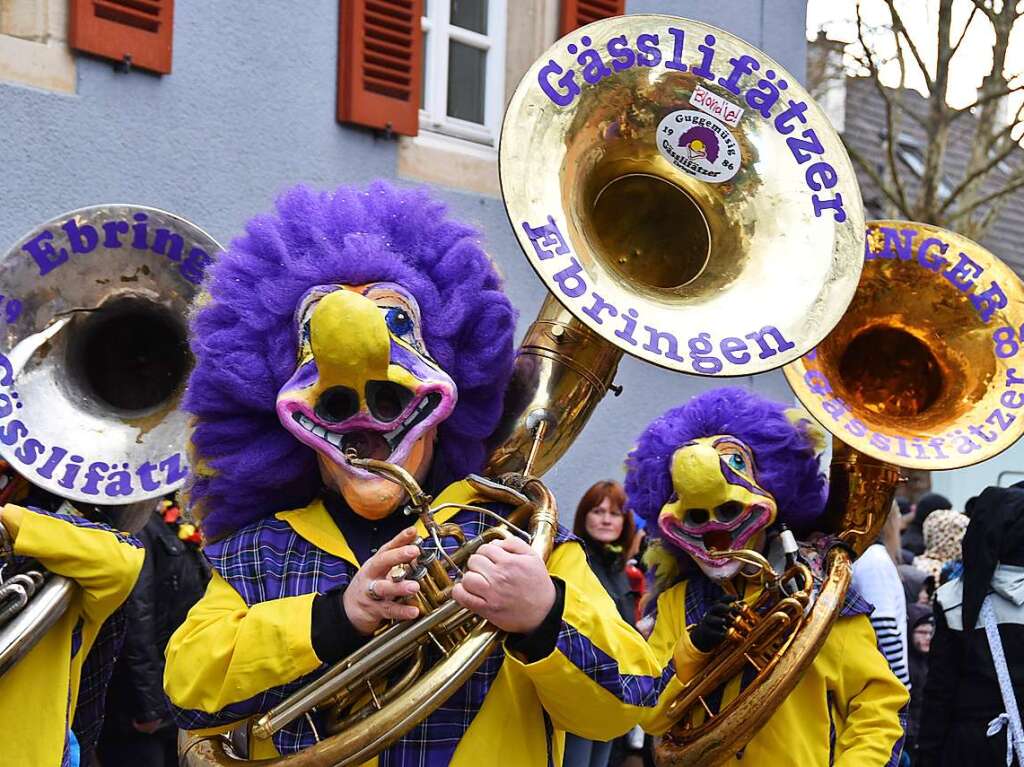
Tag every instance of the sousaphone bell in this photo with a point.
(93, 362)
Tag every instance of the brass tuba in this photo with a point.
(919, 373)
(638, 244)
(93, 363)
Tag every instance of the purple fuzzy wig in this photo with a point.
(245, 343)
(787, 466)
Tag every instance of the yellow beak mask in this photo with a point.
(365, 386)
(717, 504)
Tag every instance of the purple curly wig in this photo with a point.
(245, 344)
(787, 466)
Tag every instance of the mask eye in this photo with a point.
(398, 320)
(735, 462)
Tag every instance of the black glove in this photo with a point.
(713, 627)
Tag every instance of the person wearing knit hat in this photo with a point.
(943, 534)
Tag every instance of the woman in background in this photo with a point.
(607, 529)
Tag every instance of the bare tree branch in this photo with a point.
(963, 32)
(890, 194)
(986, 8)
(986, 170)
(988, 98)
(899, 193)
(995, 195)
(890, 96)
(980, 227)
(900, 30)
(983, 170)
(988, 147)
(939, 118)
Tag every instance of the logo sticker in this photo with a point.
(699, 145)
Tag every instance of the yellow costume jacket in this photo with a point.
(843, 712)
(247, 644)
(39, 693)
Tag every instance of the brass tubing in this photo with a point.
(437, 573)
(26, 628)
(377, 652)
(731, 663)
(752, 709)
(334, 726)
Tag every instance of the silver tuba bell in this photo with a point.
(93, 363)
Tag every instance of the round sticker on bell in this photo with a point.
(699, 145)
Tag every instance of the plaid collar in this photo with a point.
(315, 525)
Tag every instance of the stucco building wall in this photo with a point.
(249, 109)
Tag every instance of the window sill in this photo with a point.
(451, 162)
(50, 67)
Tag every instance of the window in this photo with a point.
(909, 151)
(463, 82)
(33, 45)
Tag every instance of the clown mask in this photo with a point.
(365, 385)
(717, 504)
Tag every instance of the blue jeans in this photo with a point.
(580, 752)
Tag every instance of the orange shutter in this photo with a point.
(380, 58)
(576, 13)
(118, 29)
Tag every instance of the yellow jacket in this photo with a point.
(849, 687)
(39, 693)
(595, 683)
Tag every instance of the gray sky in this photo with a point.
(972, 62)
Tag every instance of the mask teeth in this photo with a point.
(393, 437)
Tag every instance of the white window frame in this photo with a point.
(438, 31)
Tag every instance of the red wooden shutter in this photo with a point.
(576, 13)
(380, 58)
(114, 29)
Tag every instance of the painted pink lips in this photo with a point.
(699, 540)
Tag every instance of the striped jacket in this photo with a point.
(876, 578)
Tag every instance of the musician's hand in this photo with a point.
(507, 583)
(713, 627)
(372, 598)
